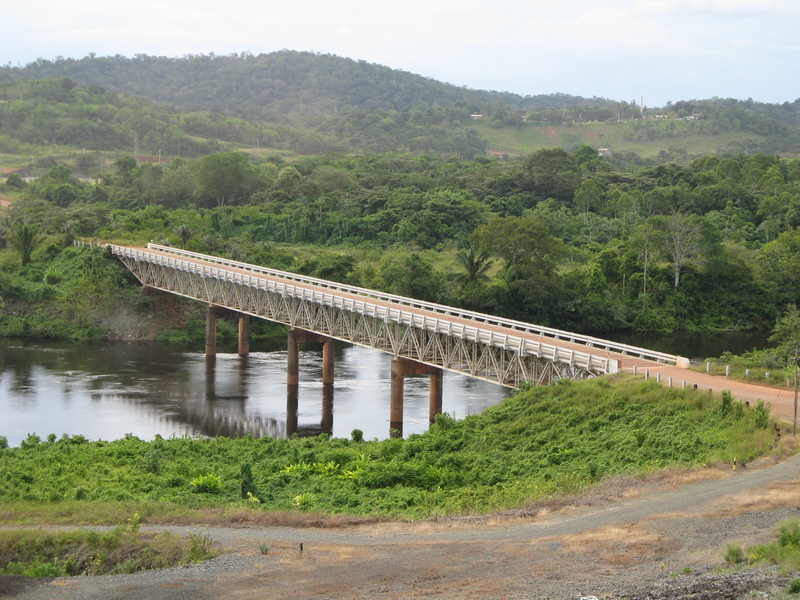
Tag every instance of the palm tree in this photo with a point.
(475, 264)
(24, 238)
(212, 242)
(185, 233)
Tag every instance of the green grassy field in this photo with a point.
(530, 136)
(540, 443)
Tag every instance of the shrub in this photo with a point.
(727, 401)
(734, 554)
(248, 486)
(794, 586)
(304, 501)
(761, 415)
(789, 534)
(199, 547)
(206, 484)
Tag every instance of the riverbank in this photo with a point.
(664, 541)
(542, 442)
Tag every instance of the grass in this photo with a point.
(539, 444)
(784, 551)
(125, 549)
(531, 136)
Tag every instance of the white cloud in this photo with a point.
(663, 49)
(717, 8)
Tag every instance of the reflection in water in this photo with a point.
(104, 391)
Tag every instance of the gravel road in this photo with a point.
(663, 541)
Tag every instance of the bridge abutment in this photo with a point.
(400, 368)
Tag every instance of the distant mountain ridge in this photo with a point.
(311, 103)
(247, 85)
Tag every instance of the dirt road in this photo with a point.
(629, 542)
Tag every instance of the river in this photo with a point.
(104, 391)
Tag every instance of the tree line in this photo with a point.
(560, 238)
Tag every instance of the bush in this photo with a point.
(206, 484)
(761, 415)
(734, 554)
(789, 534)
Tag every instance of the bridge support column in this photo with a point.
(400, 368)
(435, 401)
(301, 336)
(244, 335)
(211, 331)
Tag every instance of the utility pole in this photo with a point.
(794, 424)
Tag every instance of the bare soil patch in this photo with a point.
(629, 539)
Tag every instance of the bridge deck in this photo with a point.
(552, 344)
(509, 348)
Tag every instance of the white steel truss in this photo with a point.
(481, 349)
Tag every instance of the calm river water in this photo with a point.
(103, 391)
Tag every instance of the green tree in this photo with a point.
(24, 238)
(787, 330)
(475, 264)
(517, 240)
(779, 262)
(684, 241)
(185, 233)
(409, 274)
(551, 173)
(225, 178)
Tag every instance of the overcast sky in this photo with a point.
(659, 50)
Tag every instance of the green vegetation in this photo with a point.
(539, 443)
(772, 366)
(667, 240)
(783, 552)
(306, 103)
(125, 549)
(561, 239)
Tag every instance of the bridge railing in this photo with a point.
(589, 341)
(368, 307)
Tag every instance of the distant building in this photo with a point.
(604, 152)
(476, 116)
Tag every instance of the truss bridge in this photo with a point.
(422, 337)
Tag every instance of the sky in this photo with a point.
(655, 51)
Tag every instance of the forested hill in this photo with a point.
(307, 103)
(258, 86)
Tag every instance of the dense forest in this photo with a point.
(247, 85)
(559, 238)
(313, 103)
(357, 173)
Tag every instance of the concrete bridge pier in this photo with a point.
(400, 368)
(211, 331)
(301, 336)
(297, 337)
(212, 312)
(244, 334)
(291, 410)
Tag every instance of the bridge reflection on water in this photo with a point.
(103, 391)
